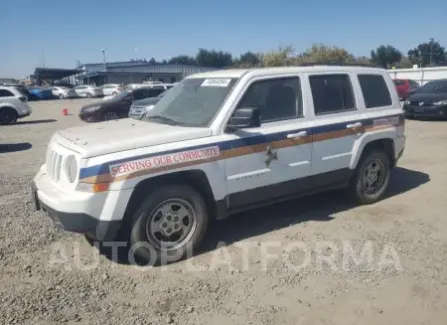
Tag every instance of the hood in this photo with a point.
(432, 97)
(126, 134)
(146, 101)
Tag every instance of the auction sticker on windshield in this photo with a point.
(216, 82)
(182, 157)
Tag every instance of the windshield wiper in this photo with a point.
(163, 119)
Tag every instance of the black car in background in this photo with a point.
(430, 100)
(118, 106)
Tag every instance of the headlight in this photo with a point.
(440, 103)
(91, 109)
(407, 102)
(148, 108)
(71, 168)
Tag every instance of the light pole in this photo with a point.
(431, 49)
(104, 63)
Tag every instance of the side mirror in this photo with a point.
(247, 117)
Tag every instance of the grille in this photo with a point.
(137, 109)
(54, 164)
(426, 103)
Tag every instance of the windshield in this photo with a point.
(431, 87)
(122, 95)
(192, 102)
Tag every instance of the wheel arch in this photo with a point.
(383, 142)
(195, 178)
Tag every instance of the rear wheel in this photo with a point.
(110, 116)
(89, 95)
(61, 96)
(371, 178)
(169, 223)
(8, 116)
(114, 93)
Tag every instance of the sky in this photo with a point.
(58, 33)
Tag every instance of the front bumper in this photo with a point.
(94, 116)
(428, 111)
(25, 114)
(98, 215)
(78, 222)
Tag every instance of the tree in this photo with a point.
(248, 59)
(182, 59)
(153, 61)
(404, 63)
(213, 58)
(323, 54)
(386, 56)
(280, 57)
(428, 54)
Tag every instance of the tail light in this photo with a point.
(23, 99)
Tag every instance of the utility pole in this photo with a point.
(104, 63)
(431, 50)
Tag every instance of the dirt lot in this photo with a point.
(397, 275)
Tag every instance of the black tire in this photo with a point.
(358, 187)
(114, 93)
(108, 116)
(89, 95)
(61, 96)
(8, 116)
(146, 246)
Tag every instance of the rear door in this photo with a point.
(270, 161)
(335, 125)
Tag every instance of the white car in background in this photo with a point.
(63, 92)
(13, 105)
(111, 89)
(88, 91)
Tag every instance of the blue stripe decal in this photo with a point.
(225, 145)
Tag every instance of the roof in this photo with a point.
(238, 73)
(54, 74)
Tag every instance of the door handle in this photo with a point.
(354, 125)
(296, 135)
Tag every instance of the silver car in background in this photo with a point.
(111, 89)
(88, 91)
(63, 92)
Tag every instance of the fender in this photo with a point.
(365, 139)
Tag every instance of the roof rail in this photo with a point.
(307, 64)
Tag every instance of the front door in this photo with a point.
(268, 162)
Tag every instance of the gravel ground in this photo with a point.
(298, 269)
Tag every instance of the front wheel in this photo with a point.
(371, 178)
(89, 95)
(110, 116)
(170, 223)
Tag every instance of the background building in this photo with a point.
(133, 72)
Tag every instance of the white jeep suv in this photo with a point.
(221, 142)
(13, 105)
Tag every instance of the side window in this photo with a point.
(154, 92)
(331, 93)
(139, 94)
(277, 99)
(375, 91)
(6, 93)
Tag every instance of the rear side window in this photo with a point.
(399, 82)
(375, 91)
(6, 93)
(332, 93)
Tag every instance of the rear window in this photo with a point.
(375, 91)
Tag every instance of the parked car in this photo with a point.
(429, 100)
(140, 108)
(111, 89)
(116, 107)
(220, 143)
(63, 92)
(13, 91)
(13, 105)
(404, 87)
(88, 91)
(39, 93)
